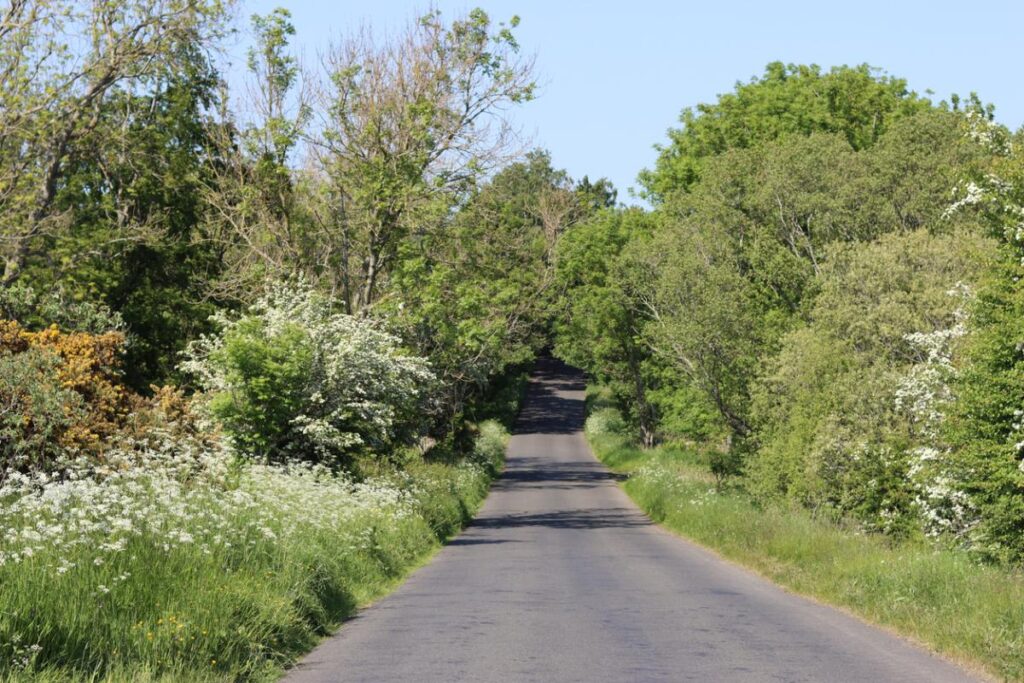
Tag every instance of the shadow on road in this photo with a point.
(547, 410)
(588, 518)
(462, 540)
(538, 472)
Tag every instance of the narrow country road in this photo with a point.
(562, 578)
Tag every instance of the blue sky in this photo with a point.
(615, 75)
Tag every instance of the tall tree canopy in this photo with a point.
(858, 103)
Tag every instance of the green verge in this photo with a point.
(243, 613)
(943, 598)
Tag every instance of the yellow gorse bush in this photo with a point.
(88, 365)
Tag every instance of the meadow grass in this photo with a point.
(943, 598)
(162, 573)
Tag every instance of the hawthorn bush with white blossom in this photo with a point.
(291, 378)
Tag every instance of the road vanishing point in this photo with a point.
(562, 578)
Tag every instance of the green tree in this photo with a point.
(706, 319)
(845, 414)
(857, 103)
(56, 95)
(134, 204)
(258, 213)
(738, 256)
(473, 297)
(599, 319)
(410, 125)
(740, 259)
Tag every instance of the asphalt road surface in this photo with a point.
(562, 578)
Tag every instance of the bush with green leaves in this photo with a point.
(37, 309)
(38, 410)
(291, 378)
(846, 415)
(605, 421)
(986, 424)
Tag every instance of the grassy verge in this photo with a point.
(942, 598)
(155, 571)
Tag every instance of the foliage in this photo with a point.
(473, 297)
(985, 422)
(43, 370)
(105, 149)
(844, 411)
(290, 378)
(129, 208)
(803, 284)
(410, 125)
(605, 421)
(598, 319)
(35, 310)
(857, 103)
(741, 256)
(705, 317)
(56, 94)
(257, 208)
(38, 411)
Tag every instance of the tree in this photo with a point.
(913, 166)
(857, 103)
(473, 296)
(706, 319)
(846, 413)
(257, 206)
(737, 256)
(599, 320)
(133, 200)
(409, 125)
(54, 94)
(985, 423)
(740, 259)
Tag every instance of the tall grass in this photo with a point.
(169, 567)
(942, 597)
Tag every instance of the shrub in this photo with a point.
(725, 463)
(37, 310)
(605, 421)
(489, 447)
(38, 412)
(847, 413)
(291, 378)
(90, 366)
(62, 394)
(268, 375)
(986, 425)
